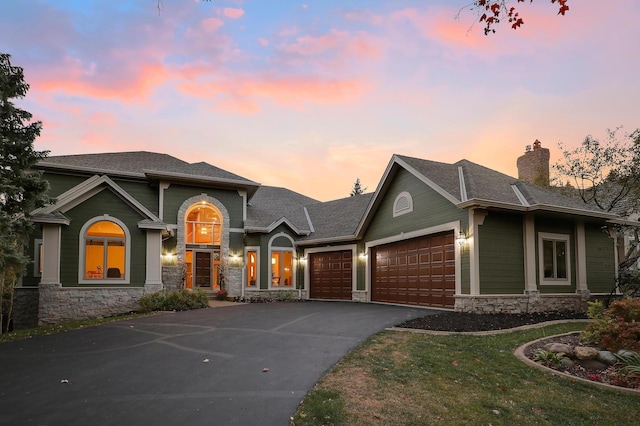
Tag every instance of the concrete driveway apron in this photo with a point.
(248, 364)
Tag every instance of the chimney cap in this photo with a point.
(527, 148)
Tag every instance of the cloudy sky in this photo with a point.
(312, 95)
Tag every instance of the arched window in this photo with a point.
(105, 251)
(403, 204)
(203, 225)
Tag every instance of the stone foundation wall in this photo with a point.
(359, 296)
(59, 304)
(521, 303)
(25, 307)
(285, 294)
(172, 277)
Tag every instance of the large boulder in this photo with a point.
(585, 352)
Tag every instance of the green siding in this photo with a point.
(105, 202)
(61, 183)
(501, 254)
(176, 194)
(429, 209)
(600, 259)
(143, 192)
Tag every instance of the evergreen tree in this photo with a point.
(357, 188)
(21, 189)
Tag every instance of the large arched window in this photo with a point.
(105, 252)
(203, 225)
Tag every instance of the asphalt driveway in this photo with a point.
(249, 364)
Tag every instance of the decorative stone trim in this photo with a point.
(59, 304)
(359, 296)
(521, 303)
(281, 294)
(25, 307)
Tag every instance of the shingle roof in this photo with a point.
(139, 163)
(338, 218)
(271, 204)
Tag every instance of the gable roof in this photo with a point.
(469, 185)
(149, 165)
(272, 206)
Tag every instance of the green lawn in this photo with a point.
(401, 378)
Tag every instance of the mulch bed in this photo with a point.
(467, 322)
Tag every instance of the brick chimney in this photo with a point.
(533, 166)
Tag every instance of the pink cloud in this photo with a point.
(263, 41)
(211, 24)
(232, 13)
(102, 119)
(360, 45)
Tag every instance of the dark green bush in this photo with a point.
(618, 327)
(179, 300)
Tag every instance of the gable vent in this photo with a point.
(403, 204)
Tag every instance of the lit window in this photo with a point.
(252, 268)
(104, 251)
(281, 268)
(203, 225)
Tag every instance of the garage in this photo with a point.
(331, 275)
(419, 271)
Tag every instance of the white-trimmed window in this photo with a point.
(282, 268)
(203, 225)
(104, 251)
(403, 204)
(554, 258)
(253, 267)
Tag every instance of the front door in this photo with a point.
(203, 270)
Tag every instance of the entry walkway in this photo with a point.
(249, 364)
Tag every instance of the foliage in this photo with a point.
(629, 281)
(595, 309)
(221, 294)
(630, 362)
(493, 12)
(179, 300)
(617, 328)
(548, 358)
(22, 190)
(357, 188)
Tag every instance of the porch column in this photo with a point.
(154, 257)
(50, 254)
(581, 259)
(530, 282)
(476, 218)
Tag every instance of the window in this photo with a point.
(281, 268)
(37, 258)
(105, 251)
(252, 268)
(203, 225)
(554, 259)
(403, 204)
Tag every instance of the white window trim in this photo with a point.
(542, 236)
(245, 275)
(404, 210)
(127, 253)
(293, 285)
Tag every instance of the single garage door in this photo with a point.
(420, 271)
(331, 275)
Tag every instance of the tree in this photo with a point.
(607, 174)
(357, 188)
(493, 12)
(21, 189)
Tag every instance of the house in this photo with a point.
(451, 236)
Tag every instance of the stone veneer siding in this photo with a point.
(25, 307)
(523, 303)
(59, 304)
(280, 294)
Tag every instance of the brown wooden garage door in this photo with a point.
(419, 271)
(331, 275)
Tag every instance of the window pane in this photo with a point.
(547, 249)
(252, 268)
(94, 259)
(275, 268)
(287, 269)
(561, 259)
(115, 259)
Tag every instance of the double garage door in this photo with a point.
(419, 271)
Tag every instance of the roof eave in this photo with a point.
(478, 203)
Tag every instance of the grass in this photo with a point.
(400, 378)
(45, 330)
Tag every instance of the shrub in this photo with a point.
(617, 328)
(548, 358)
(221, 295)
(179, 300)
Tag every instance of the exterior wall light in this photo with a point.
(461, 239)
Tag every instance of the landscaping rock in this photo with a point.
(585, 352)
(559, 348)
(606, 357)
(593, 364)
(567, 363)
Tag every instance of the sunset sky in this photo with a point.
(312, 95)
